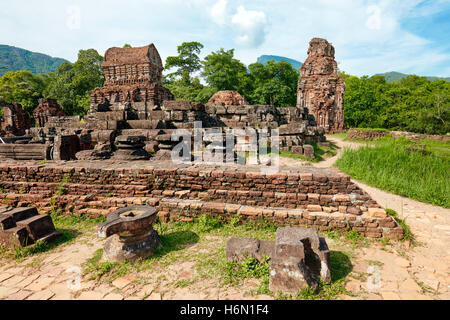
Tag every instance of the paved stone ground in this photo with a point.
(379, 271)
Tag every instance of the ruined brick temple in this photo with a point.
(132, 117)
(47, 108)
(132, 75)
(14, 120)
(320, 88)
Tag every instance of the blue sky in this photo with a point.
(370, 36)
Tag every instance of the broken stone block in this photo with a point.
(24, 226)
(308, 151)
(301, 259)
(297, 149)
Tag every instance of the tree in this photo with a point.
(187, 60)
(22, 87)
(275, 83)
(185, 88)
(221, 71)
(126, 45)
(70, 84)
(413, 104)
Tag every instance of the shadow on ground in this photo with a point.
(340, 265)
(175, 241)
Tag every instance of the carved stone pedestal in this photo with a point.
(131, 234)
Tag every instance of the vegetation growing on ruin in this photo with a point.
(417, 170)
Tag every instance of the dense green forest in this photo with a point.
(412, 104)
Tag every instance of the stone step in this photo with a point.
(6, 222)
(15, 237)
(19, 214)
(38, 226)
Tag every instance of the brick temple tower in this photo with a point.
(320, 88)
(132, 75)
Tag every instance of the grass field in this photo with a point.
(417, 170)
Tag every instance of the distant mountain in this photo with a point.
(397, 76)
(15, 59)
(265, 58)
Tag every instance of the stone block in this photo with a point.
(377, 213)
(300, 260)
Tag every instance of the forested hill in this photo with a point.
(15, 59)
(295, 64)
(397, 76)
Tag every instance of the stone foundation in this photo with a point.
(321, 198)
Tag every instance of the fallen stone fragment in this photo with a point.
(299, 258)
(24, 227)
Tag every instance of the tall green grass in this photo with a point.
(415, 170)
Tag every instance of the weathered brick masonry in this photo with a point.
(321, 198)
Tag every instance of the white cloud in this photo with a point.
(219, 12)
(250, 26)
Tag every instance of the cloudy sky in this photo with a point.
(370, 36)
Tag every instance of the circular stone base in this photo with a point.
(117, 249)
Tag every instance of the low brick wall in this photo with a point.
(374, 134)
(304, 196)
(366, 134)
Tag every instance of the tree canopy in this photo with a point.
(221, 70)
(22, 87)
(70, 84)
(412, 104)
(187, 60)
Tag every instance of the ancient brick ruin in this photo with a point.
(299, 258)
(133, 105)
(132, 76)
(47, 108)
(21, 227)
(15, 121)
(324, 199)
(133, 118)
(320, 88)
(227, 98)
